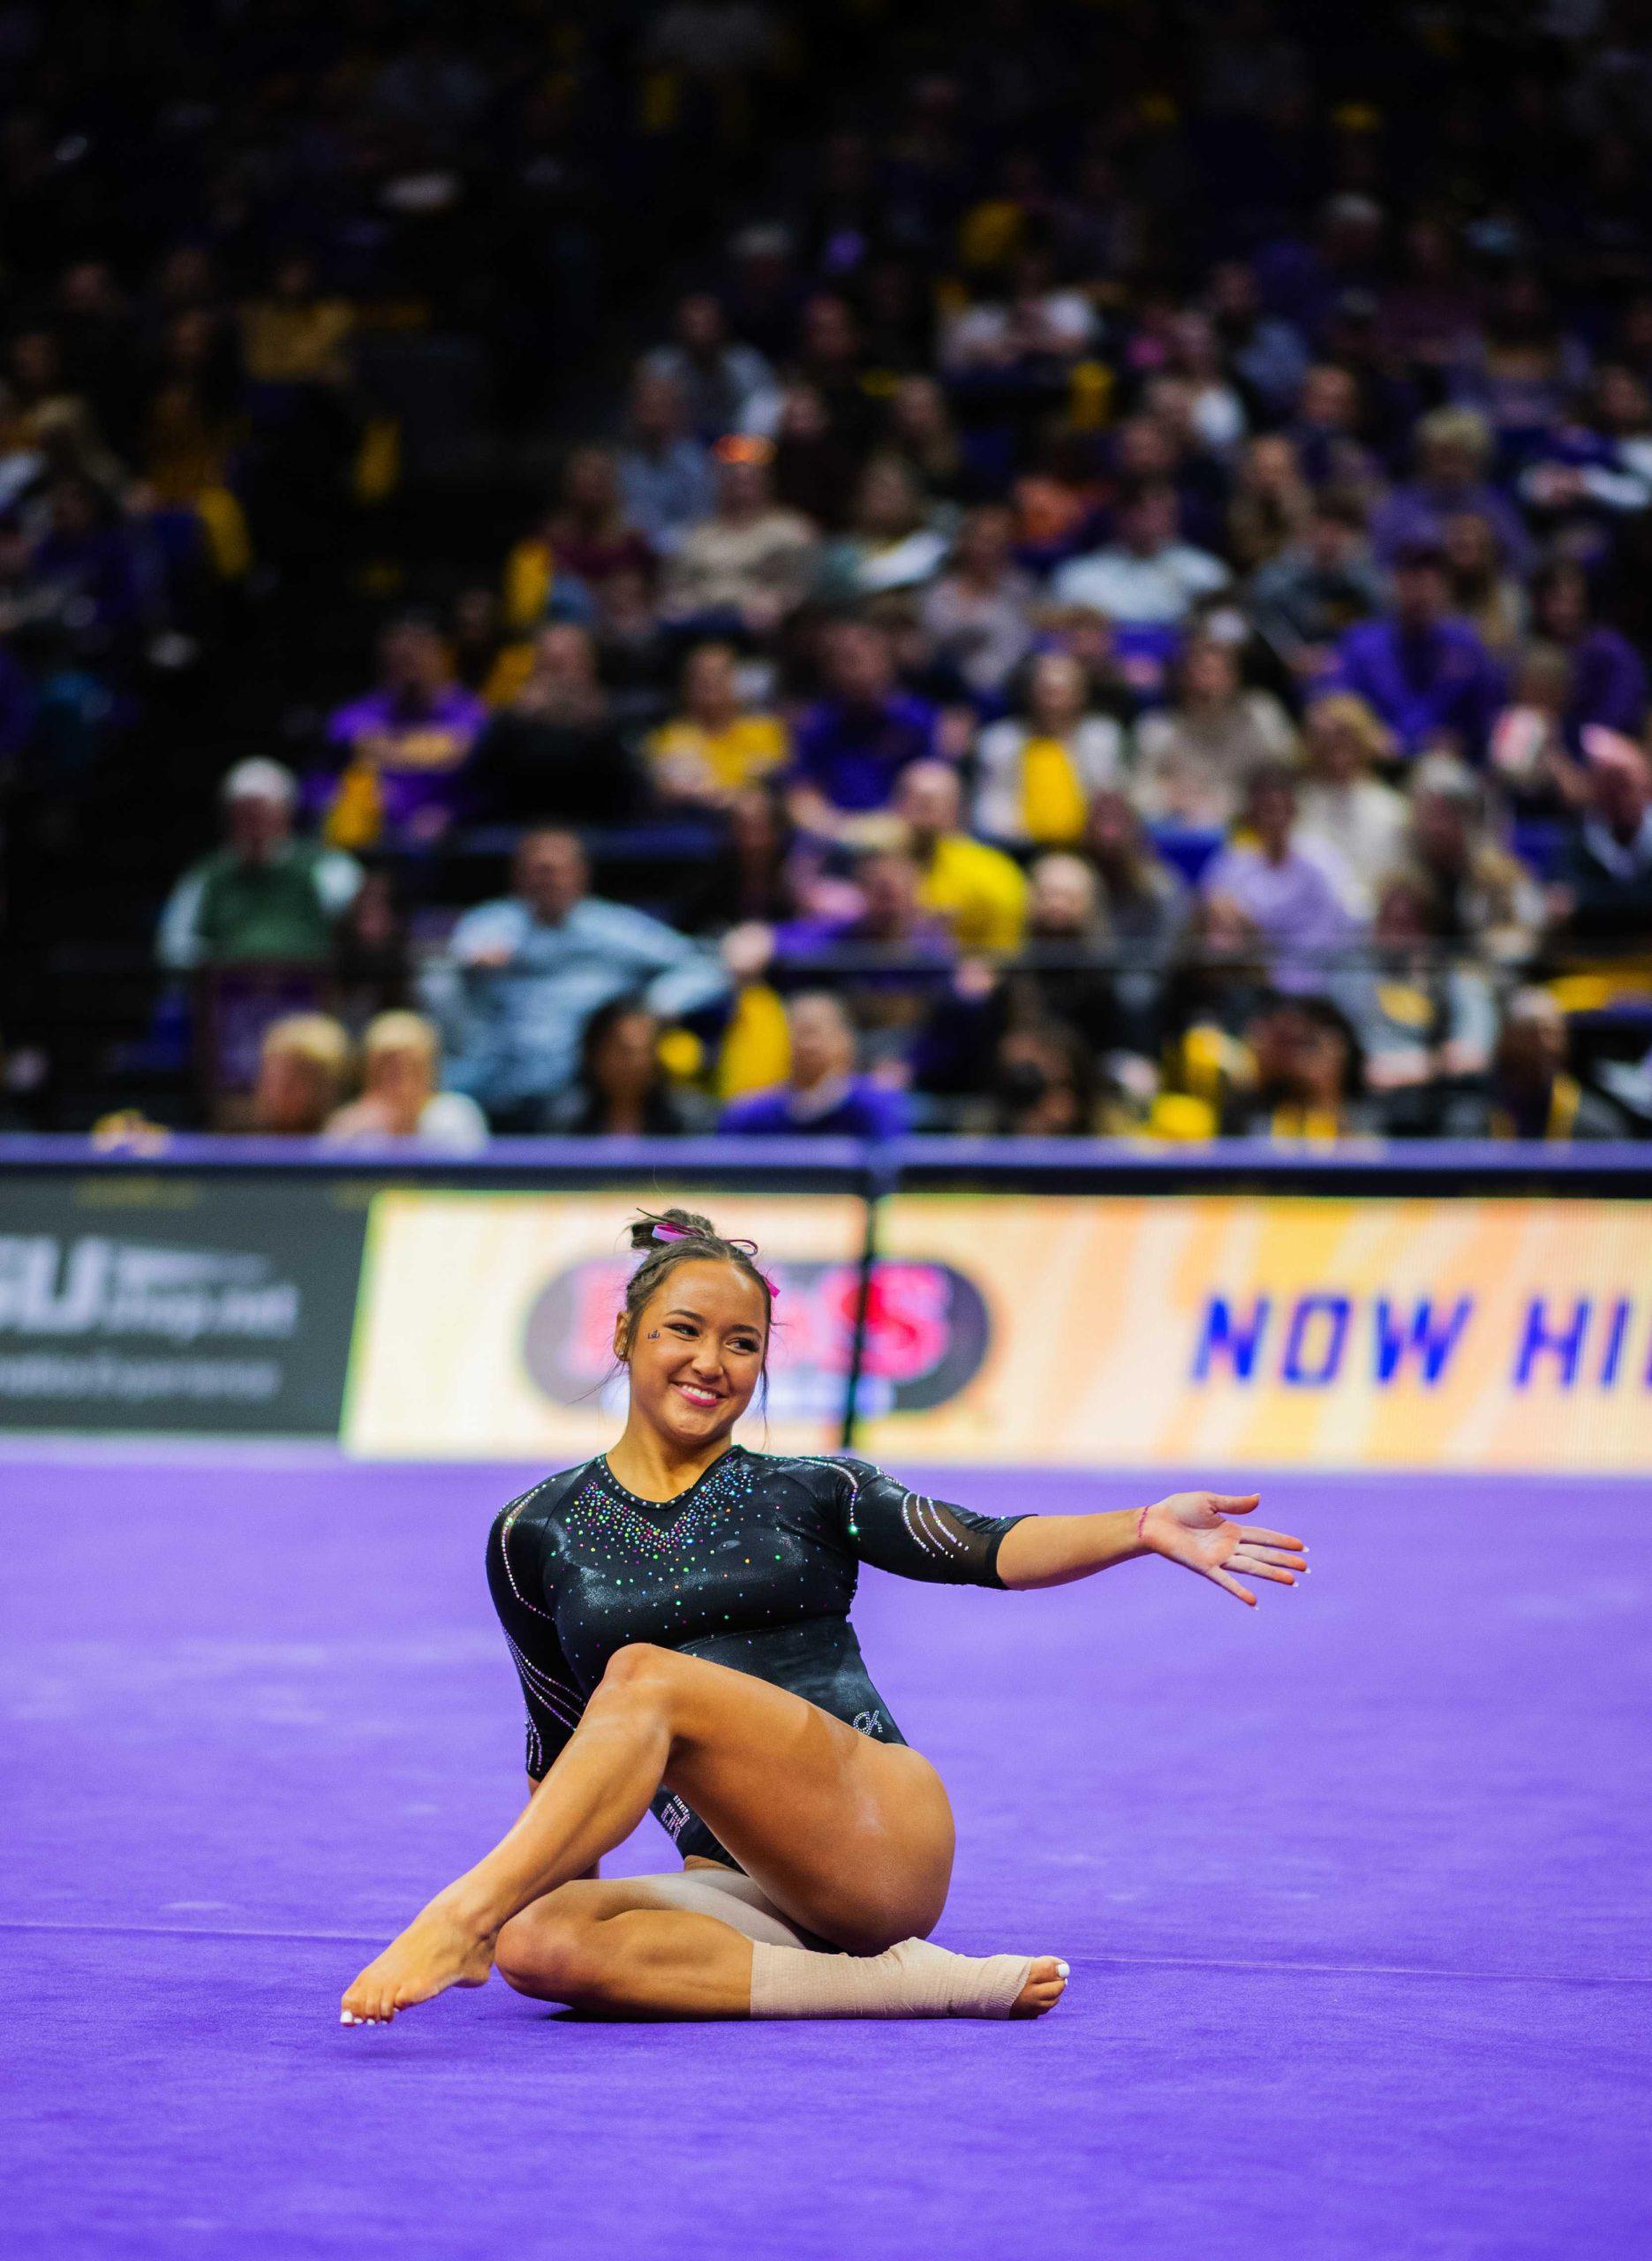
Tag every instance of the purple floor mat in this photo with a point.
(1354, 1888)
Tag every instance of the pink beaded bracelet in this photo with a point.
(1141, 1525)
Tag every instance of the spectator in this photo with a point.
(1531, 757)
(402, 1096)
(977, 890)
(1425, 1020)
(1218, 984)
(304, 1064)
(717, 745)
(530, 970)
(751, 878)
(1036, 777)
(1327, 431)
(741, 570)
(1530, 1093)
(405, 748)
(822, 1095)
(1454, 448)
(1309, 1075)
(1044, 1083)
(922, 433)
(1587, 472)
(1602, 899)
(1272, 505)
(665, 477)
(1483, 592)
(1148, 578)
(264, 895)
(1195, 758)
(1034, 327)
(1146, 904)
(815, 460)
(622, 1091)
(1489, 901)
(1428, 677)
(892, 543)
(1292, 894)
(1266, 355)
(372, 957)
(588, 535)
(854, 743)
(1607, 681)
(1062, 975)
(727, 387)
(1356, 822)
(1308, 596)
(556, 750)
(976, 616)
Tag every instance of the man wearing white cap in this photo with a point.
(264, 895)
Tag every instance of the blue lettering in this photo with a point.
(1335, 1311)
(1611, 1357)
(1230, 1336)
(1541, 1341)
(1402, 1335)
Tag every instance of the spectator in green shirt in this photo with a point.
(265, 895)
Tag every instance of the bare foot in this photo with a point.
(436, 1951)
(1046, 1984)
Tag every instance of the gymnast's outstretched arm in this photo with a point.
(935, 1540)
(1198, 1530)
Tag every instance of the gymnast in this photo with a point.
(678, 1612)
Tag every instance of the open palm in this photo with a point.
(1194, 1529)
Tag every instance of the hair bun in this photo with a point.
(644, 1227)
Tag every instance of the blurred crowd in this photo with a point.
(1112, 599)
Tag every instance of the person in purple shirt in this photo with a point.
(1455, 448)
(822, 1096)
(1295, 896)
(854, 743)
(1608, 682)
(1426, 674)
(403, 747)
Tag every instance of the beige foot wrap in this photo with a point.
(914, 1979)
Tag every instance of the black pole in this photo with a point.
(881, 1173)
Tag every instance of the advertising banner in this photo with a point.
(487, 1320)
(170, 1305)
(1234, 1331)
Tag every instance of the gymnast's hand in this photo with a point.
(1193, 1528)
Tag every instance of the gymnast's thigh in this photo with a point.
(852, 1838)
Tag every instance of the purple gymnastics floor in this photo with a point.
(1354, 1888)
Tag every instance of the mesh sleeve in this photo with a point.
(917, 1537)
(554, 1702)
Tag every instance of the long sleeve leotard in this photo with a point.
(754, 1566)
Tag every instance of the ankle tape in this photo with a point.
(914, 1979)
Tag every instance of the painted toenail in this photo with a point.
(1063, 1970)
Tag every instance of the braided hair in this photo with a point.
(675, 1236)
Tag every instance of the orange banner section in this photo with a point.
(1220, 1331)
(1302, 1332)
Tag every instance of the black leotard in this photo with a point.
(754, 1566)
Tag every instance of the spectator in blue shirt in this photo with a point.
(854, 743)
(666, 482)
(528, 971)
(1427, 675)
(822, 1096)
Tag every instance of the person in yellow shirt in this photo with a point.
(705, 755)
(978, 891)
(1039, 773)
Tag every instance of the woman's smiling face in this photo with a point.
(696, 1351)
